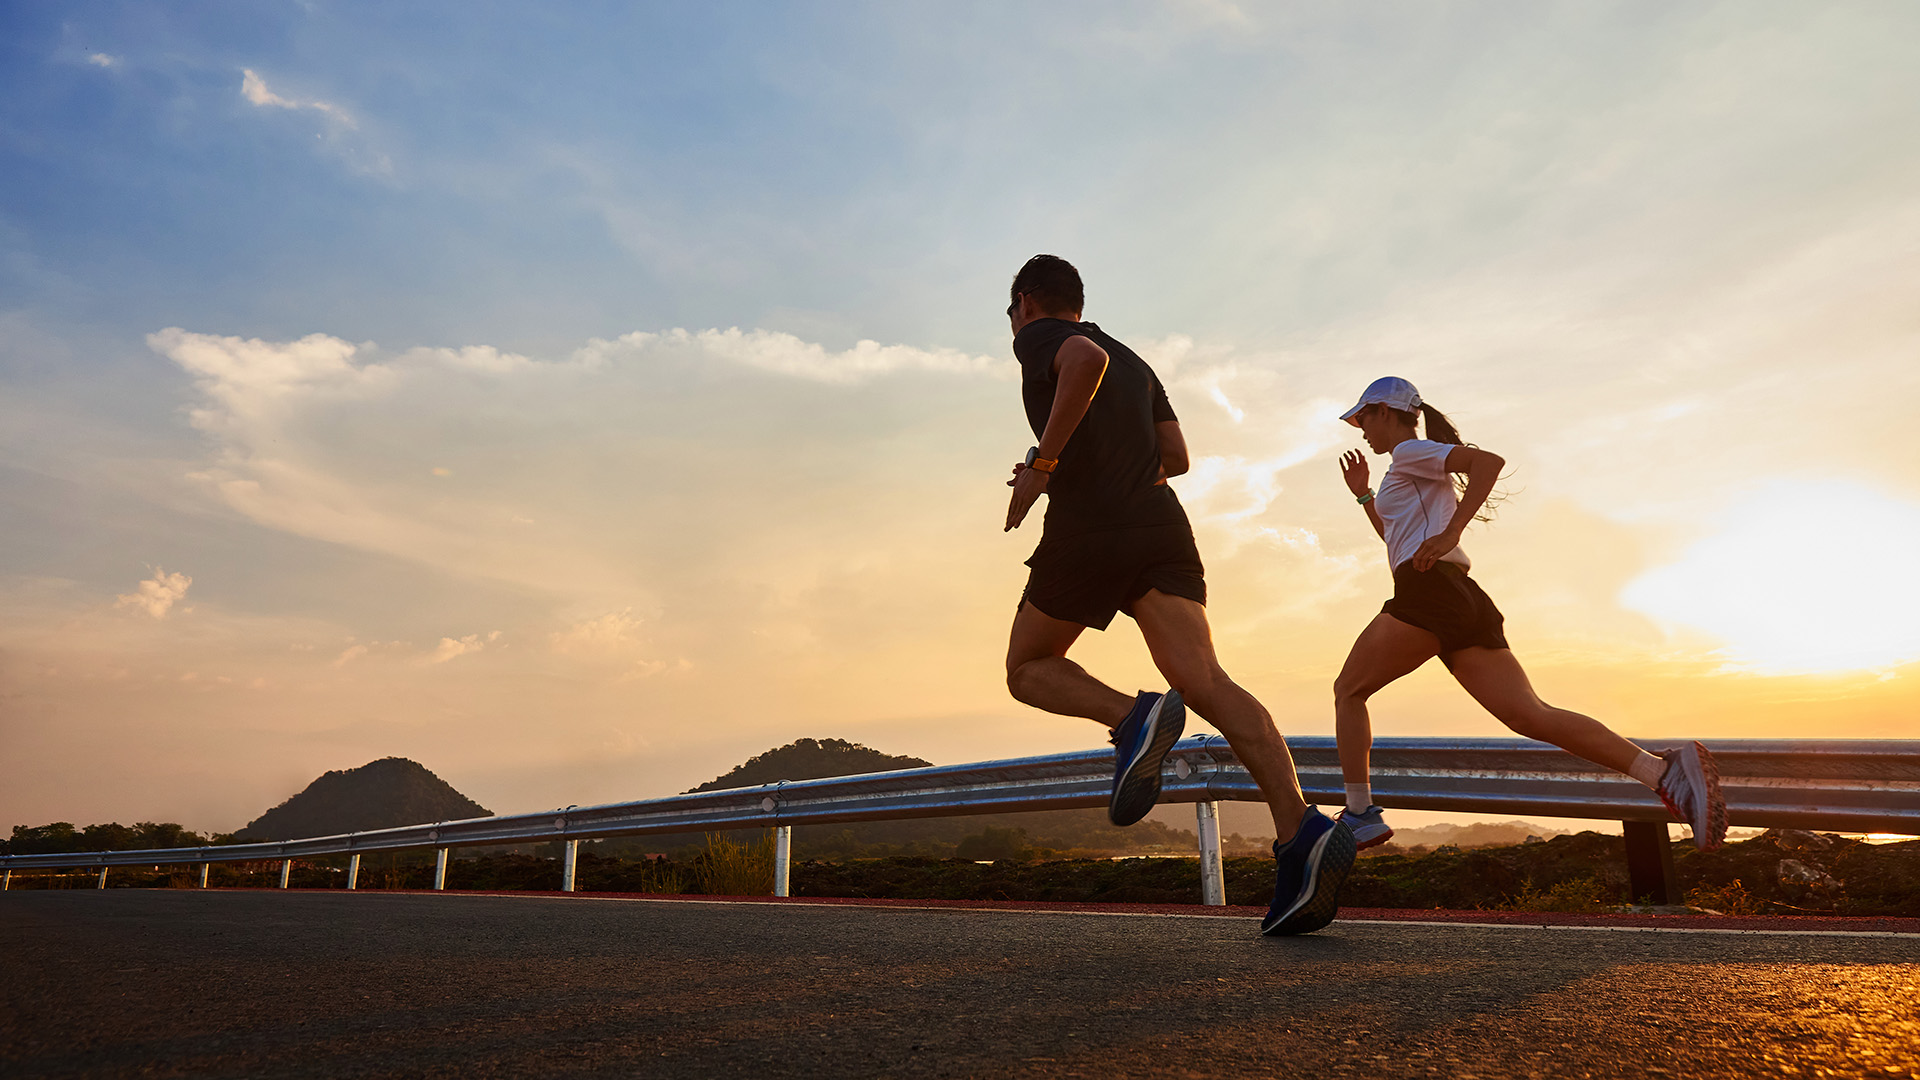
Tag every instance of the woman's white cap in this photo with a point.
(1391, 391)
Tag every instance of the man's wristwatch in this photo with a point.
(1035, 461)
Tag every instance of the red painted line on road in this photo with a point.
(1861, 924)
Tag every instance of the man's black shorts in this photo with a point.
(1448, 604)
(1086, 577)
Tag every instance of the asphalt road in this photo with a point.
(214, 984)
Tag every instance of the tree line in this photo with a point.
(61, 836)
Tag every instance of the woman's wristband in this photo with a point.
(1365, 499)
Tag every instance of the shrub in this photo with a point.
(992, 845)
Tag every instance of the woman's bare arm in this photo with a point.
(1482, 468)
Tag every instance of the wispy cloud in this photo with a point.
(612, 633)
(156, 595)
(786, 354)
(1222, 12)
(101, 59)
(452, 647)
(254, 88)
(342, 127)
(578, 455)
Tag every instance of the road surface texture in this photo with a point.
(264, 983)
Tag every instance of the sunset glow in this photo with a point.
(1802, 577)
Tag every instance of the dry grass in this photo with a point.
(1579, 895)
(727, 868)
(1729, 899)
(662, 878)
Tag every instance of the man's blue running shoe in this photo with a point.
(1312, 867)
(1140, 746)
(1369, 828)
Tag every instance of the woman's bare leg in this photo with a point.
(1384, 651)
(1495, 679)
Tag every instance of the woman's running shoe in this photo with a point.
(1140, 746)
(1311, 868)
(1691, 789)
(1369, 828)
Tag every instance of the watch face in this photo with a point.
(1032, 452)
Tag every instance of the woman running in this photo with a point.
(1438, 610)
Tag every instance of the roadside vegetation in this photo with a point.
(1779, 872)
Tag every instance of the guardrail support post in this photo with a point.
(286, 872)
(1213, 882)
(1650, 863)
(102, 882)
(568, 865)
(353, 871)
(440, 868)
(782, 859)
(204, 867)
(6, 882)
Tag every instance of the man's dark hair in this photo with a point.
(1053, 283)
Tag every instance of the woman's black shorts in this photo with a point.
(1086, 577)
(1447, 603)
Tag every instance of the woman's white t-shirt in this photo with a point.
(1415, 500)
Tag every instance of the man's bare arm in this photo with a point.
(1077, 369)
(1173, 448)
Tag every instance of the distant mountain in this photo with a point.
(810, 759)
(381, 794)
(1479, 834)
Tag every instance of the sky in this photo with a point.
(582, 399)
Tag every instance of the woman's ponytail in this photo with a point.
(1441, 430)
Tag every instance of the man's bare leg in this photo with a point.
(1039, 673)
(1182, 645)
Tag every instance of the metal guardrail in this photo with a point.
(1847, 785)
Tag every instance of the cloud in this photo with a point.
(452, 647)
(788, 355)
(1212, 11)
(614, 637)
(103, 60)
(254, 89)
(612, 633)
(349, 654)
(567, 467)
(157, 594)
(341, 135)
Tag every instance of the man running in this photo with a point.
(1117, 539)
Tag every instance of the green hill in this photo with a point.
(810, 759)
(381, 794)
